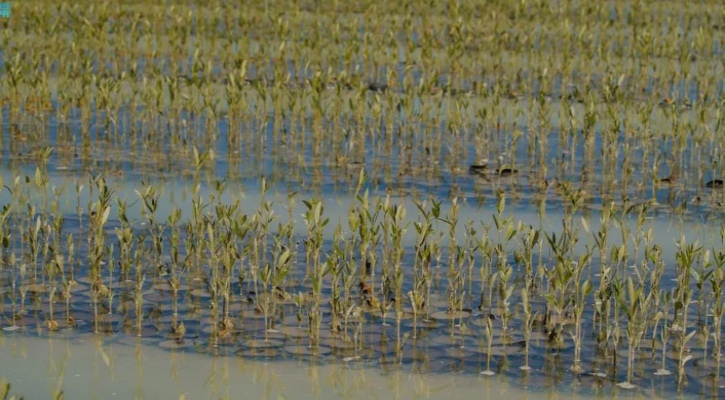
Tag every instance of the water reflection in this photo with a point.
(91, 366)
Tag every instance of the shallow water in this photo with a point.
(442, 350)
(519, 108)
(96, 368)
(695, 224)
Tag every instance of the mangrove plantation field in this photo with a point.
(528, 194)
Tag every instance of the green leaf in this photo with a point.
(38, 177)
(525, 298)
(284, 257)
(509, 292)
(535, 240)
(4, 389)
(630, 289)
(695, 275)
(106, 213)
(587, 288)
(280, 276)
(585, 224)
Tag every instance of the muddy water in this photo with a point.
(86, 367)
